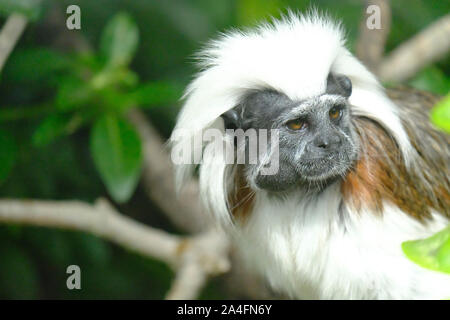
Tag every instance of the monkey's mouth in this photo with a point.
(324, 168)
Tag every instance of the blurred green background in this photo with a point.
(56, 103)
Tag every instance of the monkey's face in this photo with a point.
(316, 140)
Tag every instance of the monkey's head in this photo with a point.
(316, 140)
(293, 75)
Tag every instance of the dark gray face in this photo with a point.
(316, 139)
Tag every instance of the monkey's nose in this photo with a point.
(324, 142)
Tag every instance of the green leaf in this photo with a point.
(156, 93)
(117, 154)
(431, 253)
(8, 152)
(30, 8)
(116, 100)
(72, 94)
(54, 126)
(119, 40)
(440, 115)
(115, 76)
(443, 256)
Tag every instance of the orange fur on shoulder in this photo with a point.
(380, 175)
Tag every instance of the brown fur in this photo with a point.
(381, 175)
(242, 197)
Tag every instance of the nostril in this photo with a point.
(322, 143)
(327, 142)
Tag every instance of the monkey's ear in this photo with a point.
(231, 119)
(339, 84)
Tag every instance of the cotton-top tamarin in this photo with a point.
(359, 170)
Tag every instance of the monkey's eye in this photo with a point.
(335, 113)
(296, 124)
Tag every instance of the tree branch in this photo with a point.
(429, 45)
(188, 282)
(194, 258)
(99, 219)
(194, 269)
(10, 34)
(371, 42)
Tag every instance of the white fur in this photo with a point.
(305, 248)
